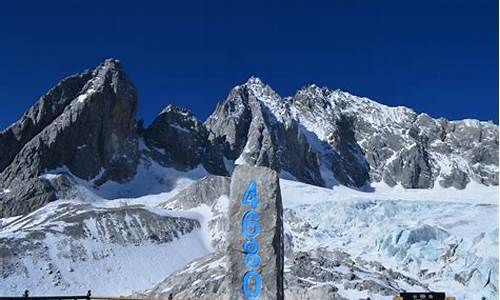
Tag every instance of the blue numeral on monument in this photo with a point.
(247, 288)
(250, 247)
(252, 281)
(251, 198)
(250, 226)
(252, 261)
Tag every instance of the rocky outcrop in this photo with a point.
(205, 191)
(176, 138)
(87, 125)
(411, 167)
(251, 134)
(220, 275)
(322, 274)
(318, 274)
(41, 114)
(327, 137)
(89, 128)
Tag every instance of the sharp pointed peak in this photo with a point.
(255, 80)
(109, 64)
(112, 62)
(176, 109)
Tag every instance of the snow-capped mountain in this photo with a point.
(376, 199)
(327, 137)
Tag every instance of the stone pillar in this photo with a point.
(256, 221)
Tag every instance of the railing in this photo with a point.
(88, 296)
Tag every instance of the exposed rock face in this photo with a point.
(326, 137)
(204, 191)
(252, 134)
(319, 136)
(178, 139)
(41, 114)
(412, 167)
(202, 279)
(333, 270)
(87, 124)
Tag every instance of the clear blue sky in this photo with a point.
(439, 57)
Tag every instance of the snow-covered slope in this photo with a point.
(111, 240)
(347, 243)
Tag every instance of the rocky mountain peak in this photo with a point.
(314, 91)
(176, 138)
(86, 125)
(254, 80)
(355, 140)
(260, 91)
(176, 110)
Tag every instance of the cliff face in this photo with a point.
(86, 124)
(178, 139)
(324, 137)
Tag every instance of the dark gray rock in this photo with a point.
(325, 137)
(319, 136)
(94, 134)
(219, 275)
(41, 114)
(317, 274)
(249, 131)
(176, 138)
(457, 178)
(349, 163)
(411, 168)
(25, 198)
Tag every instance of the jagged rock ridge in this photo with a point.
(176, 138)
(86, 124)
(326, 137)
(319, 136)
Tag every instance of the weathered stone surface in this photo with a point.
(325, 137)
(411, 168)
(178, 139)
(219, 275)
(319, 136)
(41, 114)
(248, 130)
(270, 239)
(317, 274)
(91, 131)
(456, 178)
(320, 274)
(202, 279)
